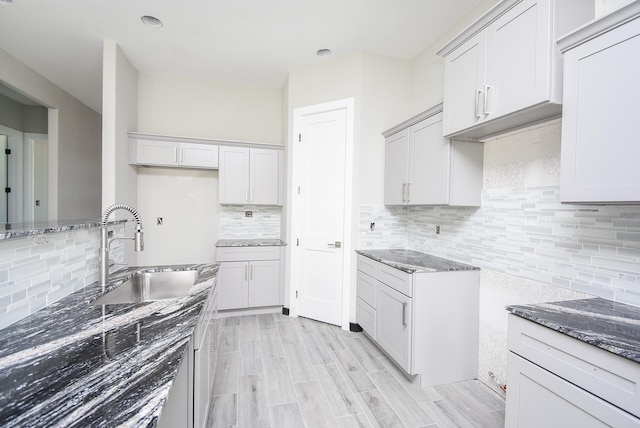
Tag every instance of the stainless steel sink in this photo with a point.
(150, 286)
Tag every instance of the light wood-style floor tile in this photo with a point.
(299, 363)
(407, 409)
(250, 357)
(314, 405)
(223, 411)
(286, 416)
(253, 410)
(277, 371)
(279, 385)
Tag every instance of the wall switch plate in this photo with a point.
(159, 221)
(248, 213)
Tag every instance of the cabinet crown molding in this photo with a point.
(198, 140)
(599, 26)
(415, 119)
(491, 15)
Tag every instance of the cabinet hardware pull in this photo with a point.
(337, 244)
(408, 192)
(478, 93)
(404, 188)
(404, 314)
(246, 268)
(486, 99)
(251, 272)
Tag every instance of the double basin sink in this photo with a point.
(150, 286)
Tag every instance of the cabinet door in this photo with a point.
(519, 52)
(599, 152)
(532, 389)
(393, 324)
(234, 286)
(464, 77)
(264, 283)
(429, 160)
(201, 379)
(199, 155)
(234, 175)
(150, 152)
(366, 317)
(396, 157)
(264, 177)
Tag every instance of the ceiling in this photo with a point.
(238, 42)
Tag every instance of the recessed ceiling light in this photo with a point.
(151, 21)
(323, 52)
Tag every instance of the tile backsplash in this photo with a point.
(525, 232)
(263, 223)
(38, 270)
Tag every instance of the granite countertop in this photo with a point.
(76, 365)
(21, 230)
(606, 324)
(250, 243)
(414, 262)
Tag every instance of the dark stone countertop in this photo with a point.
(411, 261)
(22, 230)
(250, 243)
(609, 325)
(72, 364)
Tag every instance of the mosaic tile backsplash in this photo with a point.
(525, 232)
(264, 222)
(38, 270)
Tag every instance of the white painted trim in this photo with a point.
(54, 130)
(347, 105)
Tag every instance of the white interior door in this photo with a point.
(319, 156)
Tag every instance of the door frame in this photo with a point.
(346, 104)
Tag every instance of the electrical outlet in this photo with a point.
(248, 213)
(159, 221)
(438, 229)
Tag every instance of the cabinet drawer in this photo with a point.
(366, 289)
(366, 317)
(614, 378)
(396, 279)
(367, 265)
(235, 254)
(532, 389)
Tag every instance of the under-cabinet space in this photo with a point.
(505, 71)
(424, 168)
(599, 152)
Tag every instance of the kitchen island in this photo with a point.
(74, 364)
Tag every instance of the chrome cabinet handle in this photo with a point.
(246, 268)
(404, 314)
(478, 92)
(408, 192)
(251, 272)
(486, 99)
(404, 188)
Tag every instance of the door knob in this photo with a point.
(337, 244)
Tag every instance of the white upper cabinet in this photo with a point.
(424, 168)
(600, 151)
(173, 154)
(250, 176)
(504, 71)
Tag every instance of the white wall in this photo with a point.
(119, 116)
(74, 142)
(188, 199)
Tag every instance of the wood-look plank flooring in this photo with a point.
(277, 371)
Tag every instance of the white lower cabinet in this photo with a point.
(393, 315)
(249, 277)
(409, 316)
(558, 381)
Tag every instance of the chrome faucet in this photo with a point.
(105, 243)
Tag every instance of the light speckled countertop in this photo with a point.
(72, 364)
(606, 324)
(413, 261)
(250, 243)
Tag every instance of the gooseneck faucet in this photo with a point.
(105, 243)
